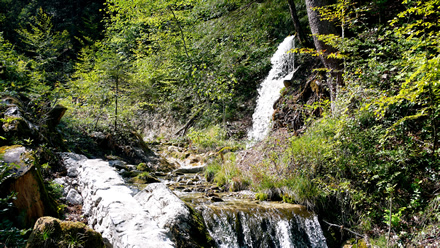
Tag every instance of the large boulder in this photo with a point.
(15, 124)
(18, 123)
(50, 232)
(32, 200)
(186, 227)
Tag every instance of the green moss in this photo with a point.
(142, 167)
(261, 196)
(144, 178)
(198, 231)
(53, 233)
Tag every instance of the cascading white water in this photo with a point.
(262, 225)
(269, 91)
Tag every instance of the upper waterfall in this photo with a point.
(269, 91)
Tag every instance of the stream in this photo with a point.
(183, 209)
(236, 219)
(162, 214)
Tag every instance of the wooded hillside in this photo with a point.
(363, 153)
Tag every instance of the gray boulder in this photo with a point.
(185, 226)
(74, 198)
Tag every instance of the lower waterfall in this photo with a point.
(239, 223)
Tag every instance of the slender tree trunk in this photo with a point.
(116, 103)
(186, 49)
(433, 121)
(300, 35)
(182, 35)
(322, 27)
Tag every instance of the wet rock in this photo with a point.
(50, 232)
(169, 176)
(160, 174)
(118, 164)
(211, 193)
(143, 167)
(74, 198)
(194, 159)
(60, 181)
(167, 164)
(184, 224)
(190, 169)
(72, 172)
(129, 174)
(130, 167)
(216, 199)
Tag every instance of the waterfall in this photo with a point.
(262, 225)
(269, 91)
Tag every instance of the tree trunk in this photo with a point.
(322, 27)
(299, 32)
(116, 103)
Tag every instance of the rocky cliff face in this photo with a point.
(295, 103)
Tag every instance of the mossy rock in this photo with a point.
(144, 178)
(50, 232)
(143, 167)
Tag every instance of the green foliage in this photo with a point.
(212, 169)
(14, 69)
(184, 54)
(45, 46)
(209, 138)
(45, 235)
(73, 240)
(261, 196)
(224, 172)
(142, 167)
(396, 218)
(55, 191)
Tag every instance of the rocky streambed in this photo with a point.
(182, 209)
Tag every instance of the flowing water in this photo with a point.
(237, 223)
(269, 91)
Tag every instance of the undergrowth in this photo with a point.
(349, 170)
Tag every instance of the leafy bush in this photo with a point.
(210, 138)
